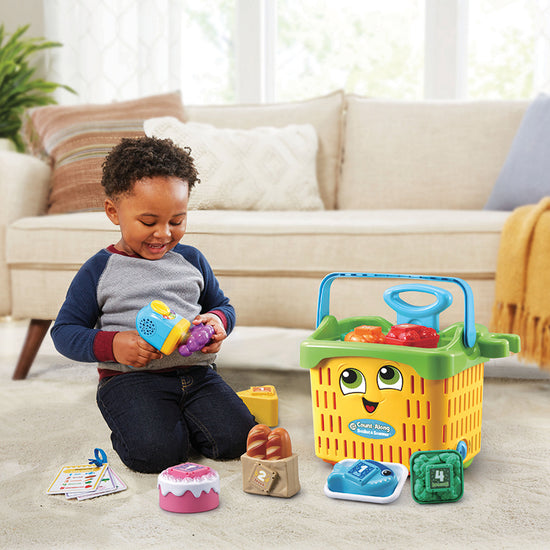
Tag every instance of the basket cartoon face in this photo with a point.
(368, 385)
(368, 393)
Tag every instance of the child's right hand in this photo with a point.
(129, 348)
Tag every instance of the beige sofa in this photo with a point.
(403, 186)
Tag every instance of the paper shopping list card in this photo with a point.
(110, 483)
(77, 478)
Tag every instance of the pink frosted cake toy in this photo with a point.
(188, 488)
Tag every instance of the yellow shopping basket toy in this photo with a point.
(383, 391)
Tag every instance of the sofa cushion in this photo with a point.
(263, 168)
(324, 113)
(429, 154)
(282, 256)
(525, 178)
(75, 139)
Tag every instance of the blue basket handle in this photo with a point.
(469, 334)
(427, 316)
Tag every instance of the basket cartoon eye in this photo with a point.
(352, 381)
(389, 378)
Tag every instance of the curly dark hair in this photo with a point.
(145, 157)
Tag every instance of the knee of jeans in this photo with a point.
(152, 454)
(233, 443)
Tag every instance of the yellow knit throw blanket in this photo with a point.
(522, 290)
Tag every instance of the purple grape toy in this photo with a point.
(199, 336)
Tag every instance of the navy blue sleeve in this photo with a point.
(212, 297)
(74, 329)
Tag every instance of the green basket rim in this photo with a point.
(447, 359)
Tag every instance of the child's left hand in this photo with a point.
(219, 331)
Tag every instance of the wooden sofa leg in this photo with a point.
(38, 328)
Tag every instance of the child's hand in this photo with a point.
(219, 331)
(129, 348)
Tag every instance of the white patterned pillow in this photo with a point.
(258, 169)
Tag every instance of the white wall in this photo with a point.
(14, 13)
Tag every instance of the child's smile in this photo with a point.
(152, 217)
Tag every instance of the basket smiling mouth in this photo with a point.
(370, 406)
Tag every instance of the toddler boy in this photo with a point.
(157, 407)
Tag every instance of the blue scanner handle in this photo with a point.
(428, 315)
(469, 333)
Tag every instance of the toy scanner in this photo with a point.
(166, 330)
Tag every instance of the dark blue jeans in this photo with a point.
(156, 418)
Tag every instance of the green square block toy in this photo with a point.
(437, 476)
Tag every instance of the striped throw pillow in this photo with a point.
(75, 140)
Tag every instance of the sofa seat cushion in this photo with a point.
(416, 241)
(262, 258)
(446, 242)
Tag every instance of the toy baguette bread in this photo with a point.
(278, 445)
(269, 466)
(257, 441)
(265, 444)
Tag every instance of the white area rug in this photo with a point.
(51, 419)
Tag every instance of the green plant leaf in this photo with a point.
(19, 89)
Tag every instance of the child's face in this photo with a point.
(152, 217)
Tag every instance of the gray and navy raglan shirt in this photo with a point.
(111, 287)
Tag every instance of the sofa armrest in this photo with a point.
(24, 186)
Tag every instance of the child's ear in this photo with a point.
(111, 211)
